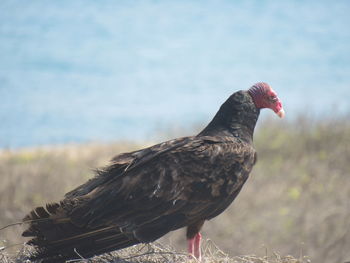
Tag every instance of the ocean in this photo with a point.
(80, 71)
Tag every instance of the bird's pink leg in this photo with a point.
(197, 246)
(194, 246)
(190, 246)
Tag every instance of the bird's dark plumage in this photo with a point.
(145, 194)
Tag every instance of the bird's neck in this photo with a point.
(237, 117)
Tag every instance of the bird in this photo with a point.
(142, 195)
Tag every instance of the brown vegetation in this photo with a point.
(296, 201)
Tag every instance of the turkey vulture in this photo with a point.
(145, 194)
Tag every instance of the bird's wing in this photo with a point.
(124, 162)
(166, 187)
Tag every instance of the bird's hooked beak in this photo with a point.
(278, 108)
(281, 113)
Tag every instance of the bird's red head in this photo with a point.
(265, 97)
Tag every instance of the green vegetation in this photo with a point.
(296, 201)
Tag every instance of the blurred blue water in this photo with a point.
(74, 71)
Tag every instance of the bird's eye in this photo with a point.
(273, 98)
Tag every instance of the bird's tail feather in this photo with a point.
(57, 239)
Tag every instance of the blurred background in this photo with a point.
(90, 79)
(77, 71)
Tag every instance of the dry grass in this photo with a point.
(158, 253)
(296, 201)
